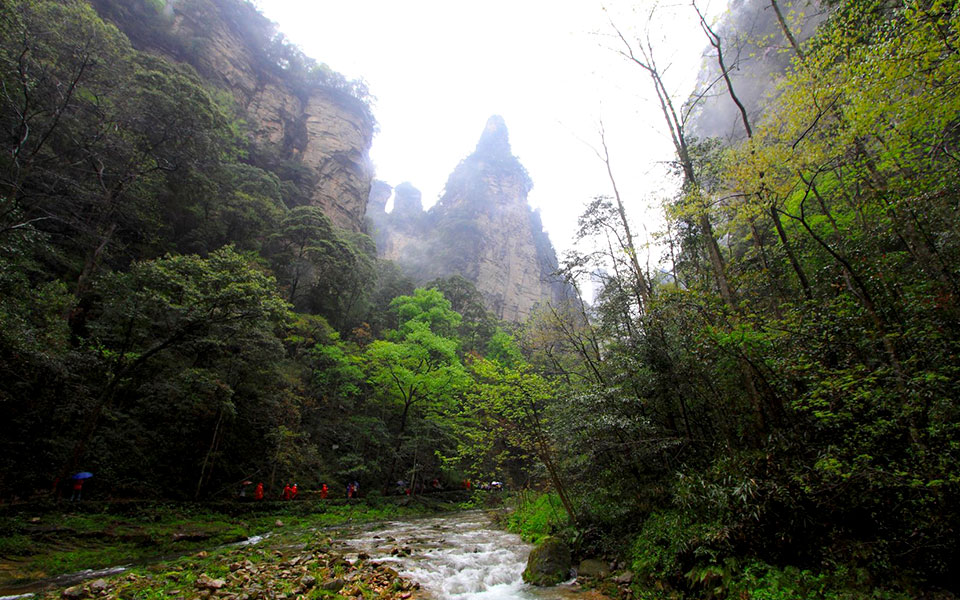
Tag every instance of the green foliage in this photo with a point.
(761, 581)
(537, 516)
(785, 396)
(144, 335)
(671, 542)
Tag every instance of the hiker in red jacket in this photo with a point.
(323, 492)
(77, 488)
(287, 491)
(258, 492)
(293, 492)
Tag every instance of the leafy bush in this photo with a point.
(537, 518)
(671, 542)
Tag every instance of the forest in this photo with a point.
(772, 413)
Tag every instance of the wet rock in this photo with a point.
(592, 567)
(548, 564)
(99, 586)
(308, 581)
(76, 591)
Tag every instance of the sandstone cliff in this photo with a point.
(323, 129)
(482, 228)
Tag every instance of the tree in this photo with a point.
(511, 401)
(417, 366)
(186, 306)
(326, 270)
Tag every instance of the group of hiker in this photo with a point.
(290, 490)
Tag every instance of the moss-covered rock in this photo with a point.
(549, 563)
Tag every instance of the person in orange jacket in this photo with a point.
(258, 492)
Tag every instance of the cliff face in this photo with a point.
(326, 130)
(482, 228)
(756, 51)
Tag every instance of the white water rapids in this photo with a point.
(458, 557)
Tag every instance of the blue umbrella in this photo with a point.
(83, 475)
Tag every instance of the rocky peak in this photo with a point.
(380, 192)
(490, 178)
(407, 200)
(482, 229)
(495, 140)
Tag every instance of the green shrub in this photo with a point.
(760, 581)
(670, 543)
(537, 518)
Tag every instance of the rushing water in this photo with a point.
(457, 557)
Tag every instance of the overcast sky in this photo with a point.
(440, 68)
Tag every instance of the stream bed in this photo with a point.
(453, 557)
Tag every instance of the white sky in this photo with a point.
(440, 68)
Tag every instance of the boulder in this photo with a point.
(334, 585)
(548, 564)
(592, 567)
(99, 586)
(624, 578)
(76, 591)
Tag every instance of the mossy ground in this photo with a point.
(43, 541)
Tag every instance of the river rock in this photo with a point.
(99, 586)
(592, 567)
(548, 564)
(204, 581)
(76, 591)
(334, 585)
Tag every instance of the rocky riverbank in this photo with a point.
(275, 571)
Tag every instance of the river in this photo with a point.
(453, 557)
